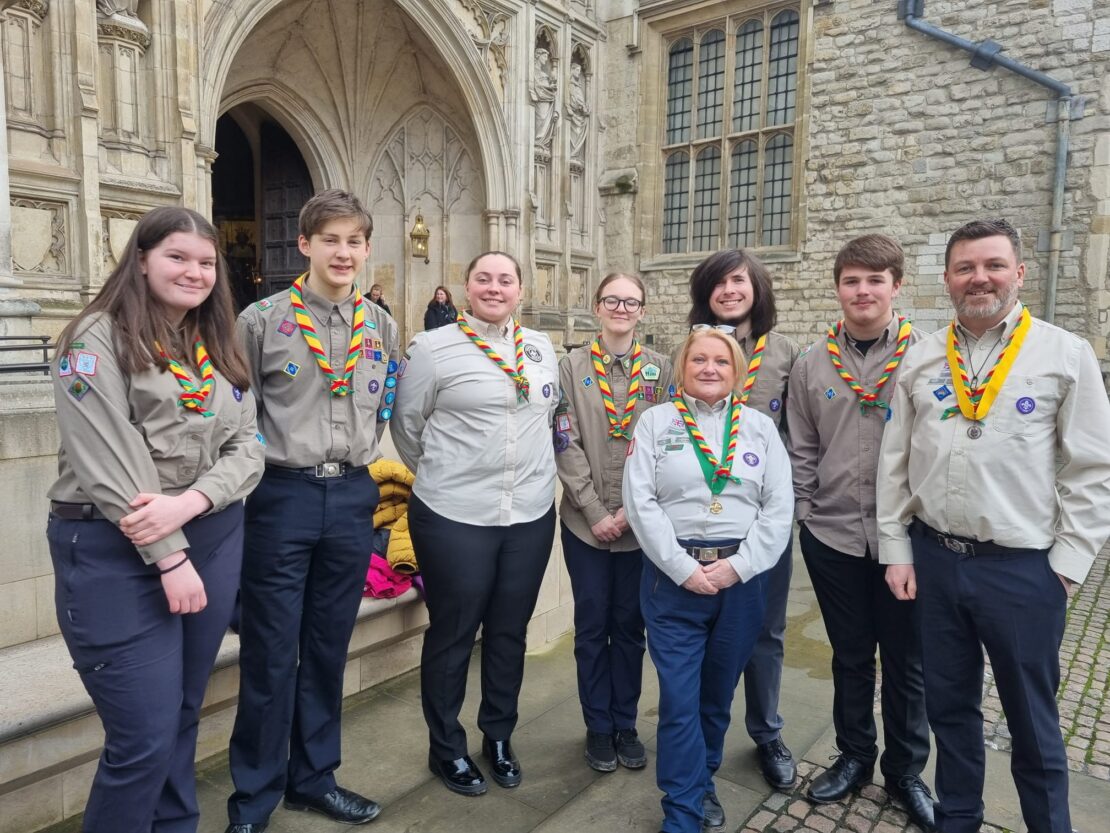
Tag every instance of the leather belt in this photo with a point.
(961, 545)
(322, 470)
(707, 555)
(76, 511)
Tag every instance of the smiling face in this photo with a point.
(867, 298)
(732, 298)
(709, 373)
(336, 254)
(441, 296)
(619, 322)
(983, 278)
(493, 289)
(180, 272)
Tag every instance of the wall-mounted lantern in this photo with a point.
(419, 237)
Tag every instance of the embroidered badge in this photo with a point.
(942, 393)
(373, 325)
(384, 414)
(775, 404)
(373, 387)
(287, 327)
(678, 423)
(671, 390)
(86, 363)
(673, 447)
(631, 446)
(589, 380)
(291, 369)
(402, 367)
(238, 394)
(78, 345)
(260, 438)
(389, 397)
(265, 303)
(751, 458)
(650, 372)
(562, 442)
(78, 389)
(377, 355)
(532, 352)
(889, 415)
(547, 391)
(65, 367)
(830, 394)
(562, 422)
(1026, 405)
(390, 382)
(649, 392)
(391, 367)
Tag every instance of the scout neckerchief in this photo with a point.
(716, 474)
(340, 386)
(193, 395)
(867, 400)
(753, 368)
(974, 404)
(618, 429)
(518, 377)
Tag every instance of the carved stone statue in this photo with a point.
(544, 90)
(578, 112)
(118, 8)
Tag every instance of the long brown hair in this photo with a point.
(139, 321)
(714, 269)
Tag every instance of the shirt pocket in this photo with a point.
(542, 389)
(371, 390)
(1026, 406)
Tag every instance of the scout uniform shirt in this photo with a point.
(123, 434)
(834, 443)
(590, 463)
(303, 423)
(768, 395)
(481, 456)
(666, 497)
(1034, 474)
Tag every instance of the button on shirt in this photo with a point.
(123, 433)
(480, 455)
(1039, 475)
(590, 462)
(769, 393)
(303, 423)
(666, 497)
(834, 444)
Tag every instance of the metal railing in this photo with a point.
(37, 344)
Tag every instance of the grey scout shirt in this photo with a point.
(590, 463)
(122, 434)
(303, 423)
(770, 392)
(834, 445)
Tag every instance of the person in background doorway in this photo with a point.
(441, 310)
(378, 298)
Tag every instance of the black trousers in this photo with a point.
(144, 668)
(306, 554)
(1014, 606)
(861, 614)
(475, 575)
(763, 673)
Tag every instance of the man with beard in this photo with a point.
(994, 476)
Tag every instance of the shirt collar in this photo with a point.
(1000, 330)
(487, 330)
(889, 334)
(696, 406)
(322, 307)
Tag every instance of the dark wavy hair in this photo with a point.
(139, 321)
(712, 271)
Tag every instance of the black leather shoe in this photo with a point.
(712, 813)
(910, 791)
(504, 767)
(777, 764)
(252, 827)
(630, 751)
(846, 775)
(460, 776)
(340, 805)
(601, 755)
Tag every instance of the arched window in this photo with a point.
(707, 199)
(676, 201)
(778, 178)
(711, 84)
(742, 189)
(680, 88)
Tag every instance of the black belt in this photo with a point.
(707, 555)
(76, 511)
(963, 546)
(321, 470)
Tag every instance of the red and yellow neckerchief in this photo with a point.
(867, 400)
(339, 385)
(518, 377)
(193, 395)
(974, 404)
(618, 429)
(717, 474)
(753, 368)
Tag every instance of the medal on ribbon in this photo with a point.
(869, 400)
(753, 368)
(618, 428)
(518, 377)
(975, 403)
(192, 396)
(717, 474)
(338, 385)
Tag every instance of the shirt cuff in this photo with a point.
(1069, 563)
(594, 511)
(160, 549)
(802, 508)
(742, 567)
(680, 569)
(896, 552)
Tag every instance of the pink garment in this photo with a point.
(381, 580)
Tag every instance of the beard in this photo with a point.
(1003, 300)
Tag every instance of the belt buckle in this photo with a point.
(329, 470)
(959, 547)
(707, 555)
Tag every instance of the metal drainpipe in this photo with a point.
(985, 56)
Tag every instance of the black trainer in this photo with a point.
(600, 752)
(630, 751)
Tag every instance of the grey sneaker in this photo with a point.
(712, 813)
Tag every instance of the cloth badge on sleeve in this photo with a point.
(265, 303)
(1026, 405)
(586, 382)
(889, 415)
(532, 352)
(562, 442)
(776, 404)
(942, 393)
(291, 369)
(390, 382)
(65, 366)
(402, 367)
(260, 438)
(830, 394)
(86, 363)
(287, 327)
(650, 372)
(79, 389)
(384, 414)
(238, 394)
(391, 367)
(389, 397)
(373, 387)
(562, 423)
(751, 458)
(377, 355)
(547, 391)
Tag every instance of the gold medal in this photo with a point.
(715, 507)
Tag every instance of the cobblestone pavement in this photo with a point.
(1084, 696)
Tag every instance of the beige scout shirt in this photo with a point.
(125, 434)
(303, 423)
(481, 456)
(769, 394)
(666, 497)
(590, 464)
(834, 445)
(1038, 477)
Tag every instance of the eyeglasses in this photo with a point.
(612, 302)
(728, 329)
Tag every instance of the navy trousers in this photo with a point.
(304, 567)
(699, 645)
(1014, 606)
(475, 575)
(861, 614)
(763, 673)
(608, 632)
(144, 668)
